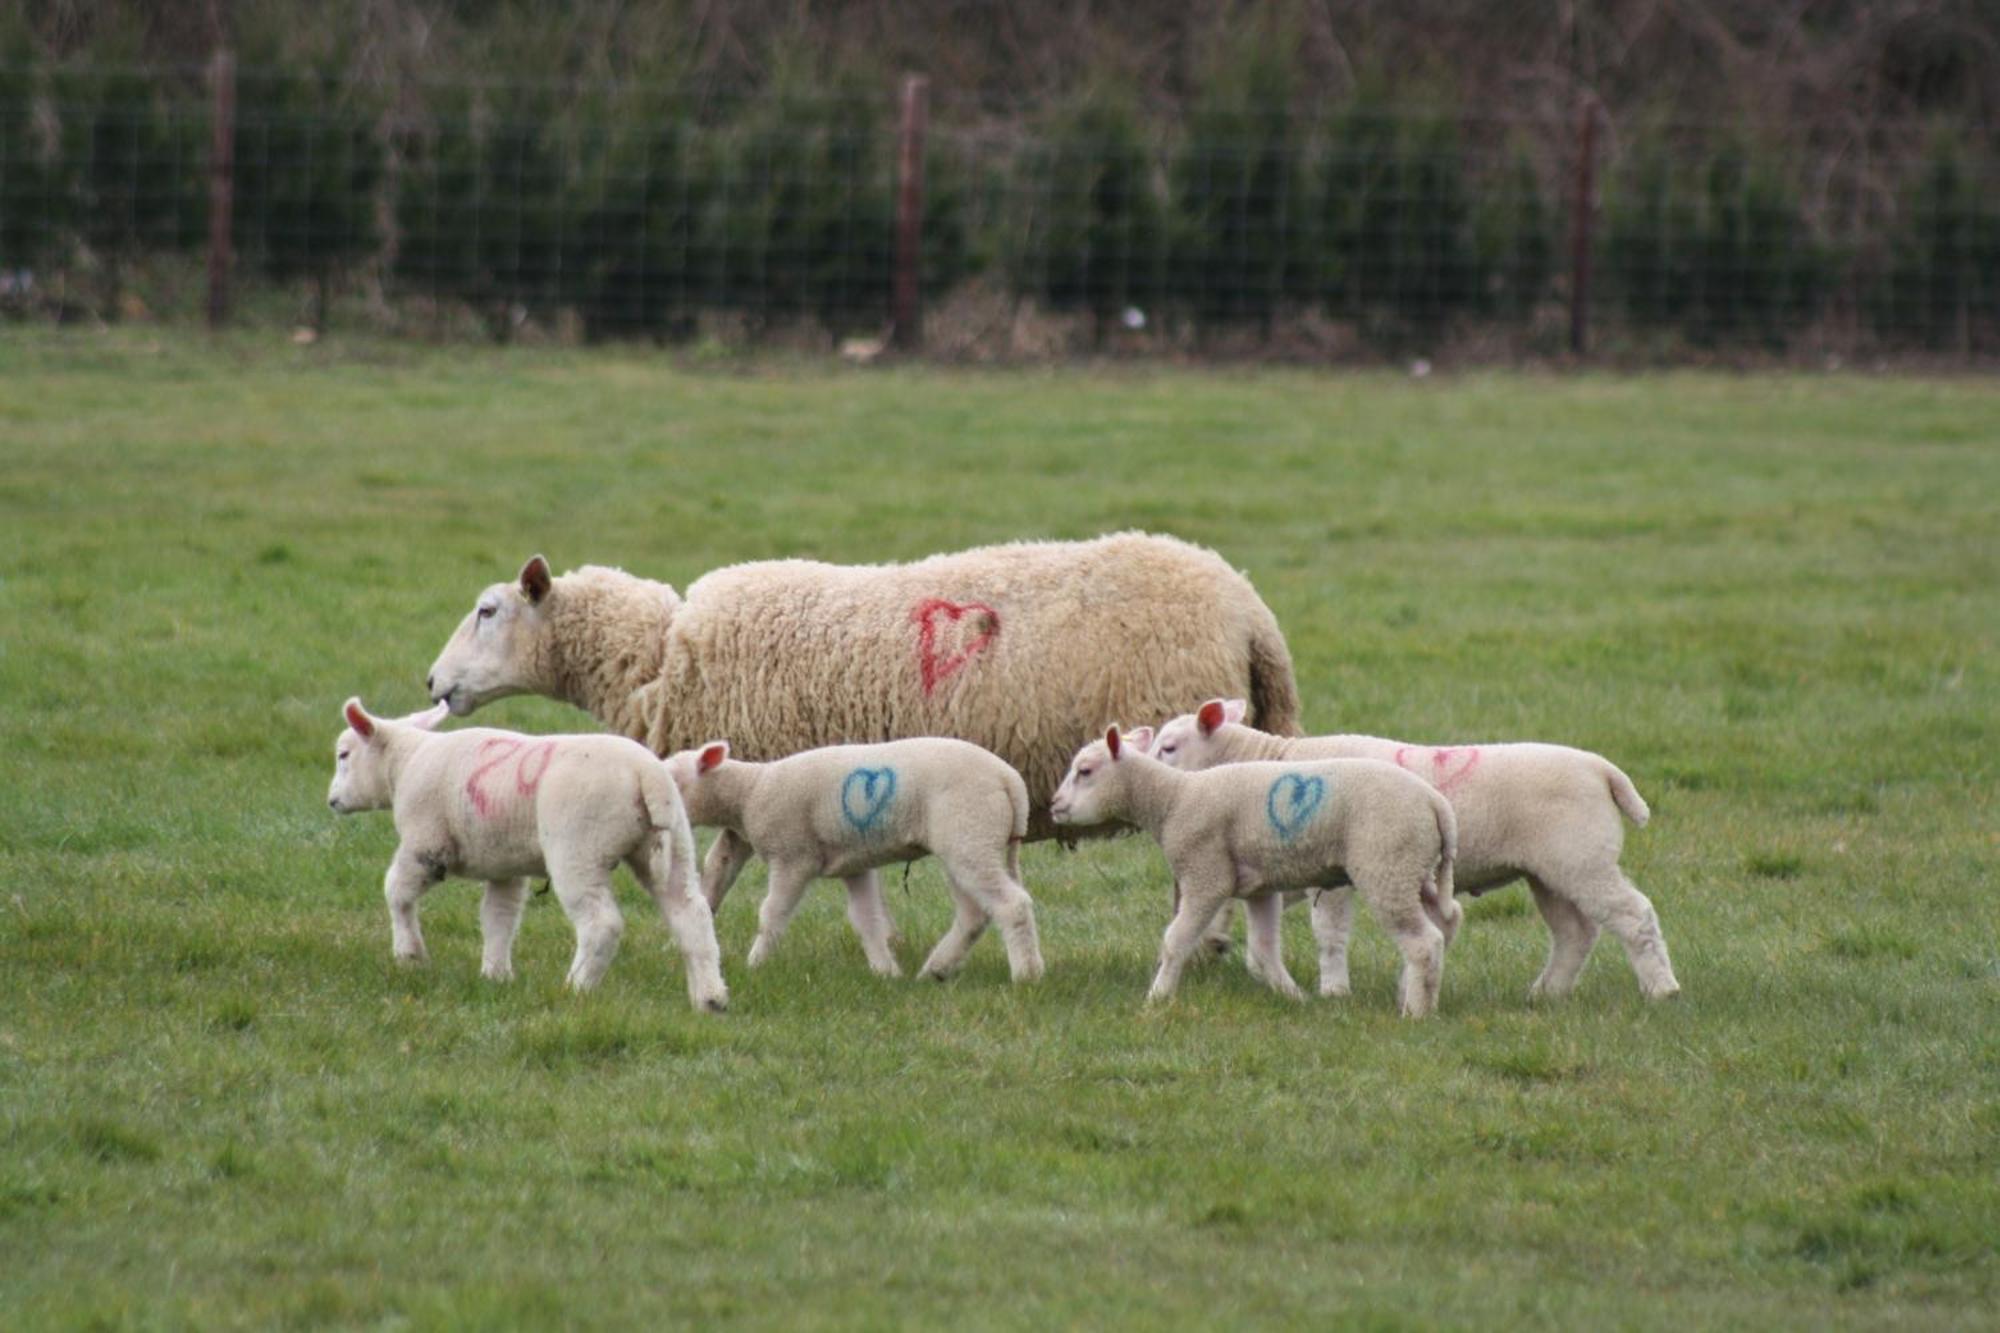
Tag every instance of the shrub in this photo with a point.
(1942, 277)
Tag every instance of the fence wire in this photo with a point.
(503, 208)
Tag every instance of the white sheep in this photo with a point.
(843, 811)
(1253, 831)
(1545, 813)
(501, 806)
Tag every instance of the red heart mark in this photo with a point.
(1447, 767)
(932, 612)
(497, 752)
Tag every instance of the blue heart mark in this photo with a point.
(865, 795)
(1291, 803)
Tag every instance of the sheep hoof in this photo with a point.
(716, 1004)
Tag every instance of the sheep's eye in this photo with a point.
(486, 612)
(1168, 749)
(342, 755)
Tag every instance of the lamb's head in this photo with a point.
(1190, 742)
(361, 772)
(1093, 791)
(688, 768)
(500, 648)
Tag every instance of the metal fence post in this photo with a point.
(221, 182)
(905, 309)
(1580, 228)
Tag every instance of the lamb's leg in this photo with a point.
(403, 886)
(727, 856)
(967, 925)
(1615, 903)
(499, 920)
(869, 916)
(788, 885)
(584, 890)
(1200, 900)
(1333, 925)
(1266, 953)
(1571, 935)
(1011, 909)
(1395, 898)
(685, 910)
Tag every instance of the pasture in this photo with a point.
(1774, 601)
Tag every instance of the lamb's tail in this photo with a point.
(1017, 796)
(1274, 693)
(668, 817)
(1445, 910)
(1626, 795)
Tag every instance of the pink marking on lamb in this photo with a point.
(1449, 766)
(501, 749)
(542, 751)
(926, 616)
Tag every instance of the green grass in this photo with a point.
(1775, 601)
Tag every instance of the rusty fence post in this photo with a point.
(1582, 215)
(905, 302)
(221, 182)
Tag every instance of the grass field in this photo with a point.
(1775, 601)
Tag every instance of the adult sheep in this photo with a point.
(1027, 649)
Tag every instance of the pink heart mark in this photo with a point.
(1448, 766)
(928, 615)
(497, 752)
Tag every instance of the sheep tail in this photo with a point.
(1274, 693)
(669, 820)
(1626, 795)
(1440, 892)
(1017, 796)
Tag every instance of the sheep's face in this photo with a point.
(1091, 792)
(687, 768)
(494, 652)
(359, 782)
(1189, 742)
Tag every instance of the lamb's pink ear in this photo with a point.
(535, 578)
(357, 717)
(428, 719)
(1112, 741)
(1210, 716)
(711, 755)
(1140, 739)
(1233, 710)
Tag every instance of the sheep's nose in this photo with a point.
(430, 686)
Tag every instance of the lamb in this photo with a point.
(1254, 830)
(500, 806)
(1545, 813)
(842, 811)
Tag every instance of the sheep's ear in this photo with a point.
(428, 719)
(1140, 739)
(1233, 710)
(1112, 741)
(535, 578)
(1210, 716)
(712, 754)
(357, 717)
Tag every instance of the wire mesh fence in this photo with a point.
(1247, 220)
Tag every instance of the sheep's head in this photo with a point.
(1091, 792)
(1189, 742)
(360, 758)
(498, 649)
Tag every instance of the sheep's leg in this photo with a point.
(1396, 901)
(584, 890)
(1200, 901)
(727, 856)
(968, 924)
(685, 910)
(1011, 909)
(499, 920)
(1333, 925)
(788, 885)
(1571, 935)
(869, 916)
(1266, 953)
(1616, 904)
(405, 883)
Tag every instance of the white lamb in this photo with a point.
(1545, 813)
(842, 811)
(501, 806)
(1252, 831)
